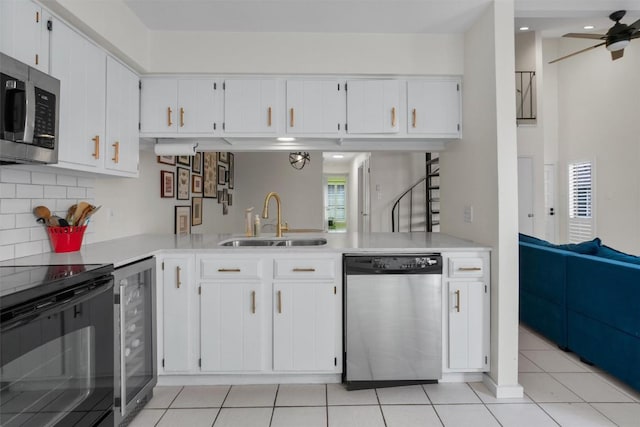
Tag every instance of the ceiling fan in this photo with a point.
(616, 39)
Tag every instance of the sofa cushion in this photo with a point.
(610, 253)
(585, 248)
(533, 240)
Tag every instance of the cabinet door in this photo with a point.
(466, 325)
(81, 68)
(159, 112)
(196, 106)
(434, 107)
(122, 139)
(304, 326)
(232, 320)
(250, 106)
(22, 29)
(313, 106)
(177, 308)
(373, 106)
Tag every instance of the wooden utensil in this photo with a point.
(42, 213)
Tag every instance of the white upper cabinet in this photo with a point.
(24, 34)
(123, 100)
(314, 106)
(179, 106)
(251, 106)
(81, 68)
(373, 106)
(434, 107)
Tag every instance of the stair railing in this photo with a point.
(395, 210)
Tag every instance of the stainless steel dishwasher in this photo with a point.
(392, 320)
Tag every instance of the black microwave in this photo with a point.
(29, 106)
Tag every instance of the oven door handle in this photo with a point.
(50, 306)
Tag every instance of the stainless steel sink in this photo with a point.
(275, 242)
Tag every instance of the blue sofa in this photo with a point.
(586, 299)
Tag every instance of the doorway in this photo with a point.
(335, 202)
(525, 195)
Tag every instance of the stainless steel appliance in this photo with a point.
(56, 352)
(29, 106)
(392, 320)
(135, 339)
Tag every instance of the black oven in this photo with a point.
(57, 348)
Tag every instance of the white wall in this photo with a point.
(599, 121)
(481, 171)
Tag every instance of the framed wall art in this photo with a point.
(210, 184)
(182, 220)
(222, 175)
(196, 184)
(230, 199)
(167, 184)
(182, 187)
(196, 163)
(231, 169)
(196, 211)
(223, 157)
(183, 160)
(167, 160)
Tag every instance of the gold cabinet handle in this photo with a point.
(181, 117)
(413, 117)
(292, 118)
(279, 302)
(393, 117)
(37, 59)
(178, 283)
(470, 269)
(253, 302)
(116, 153)
(299, 270)
(228, 270)
(458, 300)
(169, 111)
(96, 146)
(37, 16)
(269, 117)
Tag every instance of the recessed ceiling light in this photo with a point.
(285, 139)
(524, 28)
(588, 27)
(338, 156)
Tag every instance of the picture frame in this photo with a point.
(167, 160)
(183, 160)
(225, 196)
(231, 170)
(182, 220)
(196, 163)
(222, 175)
(225, 209)
(182, 185)
(230, 199)
(196, 211)
(220, 196)
(223, 157)
(196, 184)
(167, 184)
(210, 171)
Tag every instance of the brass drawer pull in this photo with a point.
(169, 111)
(253, 302)
(178, 283)
(116, 155)
(301, 270)
(269, 118)
(457, 307)
(96, 146)
(292, 118)
(470, 269)
(279, 302)
(181, 117)
(228, 270)
(393, 117)
(413, 114)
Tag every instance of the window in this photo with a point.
(580, 202)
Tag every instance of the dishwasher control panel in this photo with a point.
(393, 264)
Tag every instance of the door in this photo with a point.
(196, 106)
(159, 98)
(312, 106)
(364, 220)
(466, 325)
(304, 326)
(23, 33)
(550, 213)
(232, 317)
(525, 195)
(250, 106)
(433, 107)
(373, 106)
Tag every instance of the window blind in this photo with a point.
(580, 201)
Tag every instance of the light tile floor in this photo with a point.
(559, 391)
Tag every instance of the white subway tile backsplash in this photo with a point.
(69, 181)
(7, 191)
(41, 202)
(43, 178)
(29, 248)
(86, 182)
(17, 235)
(63, 205)
(38, 233)
(9, 206)
(76, 193)
(29, 191)
(7, 221)
(25, 220)
(7, 252)
(10, 174)
(55, 192)
(91, 194)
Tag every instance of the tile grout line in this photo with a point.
(168, 406)
(221, 406)
(384, 421)
(432, 405)
(273, 408)
(326, 402)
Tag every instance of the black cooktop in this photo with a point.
(21, 284)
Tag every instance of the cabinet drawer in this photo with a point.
(466, 267)
(304, 269)
(230, 268)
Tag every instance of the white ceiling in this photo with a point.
(552, 17)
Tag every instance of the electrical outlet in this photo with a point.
(468, 214)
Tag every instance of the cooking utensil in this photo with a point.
(80, 213)
(42, 213)
(70, 212)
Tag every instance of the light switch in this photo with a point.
(468, 214)
(378, 187)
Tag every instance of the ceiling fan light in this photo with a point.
(618, 45)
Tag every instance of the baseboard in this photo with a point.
(503, 391)
(230, 379)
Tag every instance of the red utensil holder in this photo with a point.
(66, 239)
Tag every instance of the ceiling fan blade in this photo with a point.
(635, 25)
(617, 54)
(575, 53)
(635, 35)
(586, 36)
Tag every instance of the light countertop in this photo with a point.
(125, 250)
